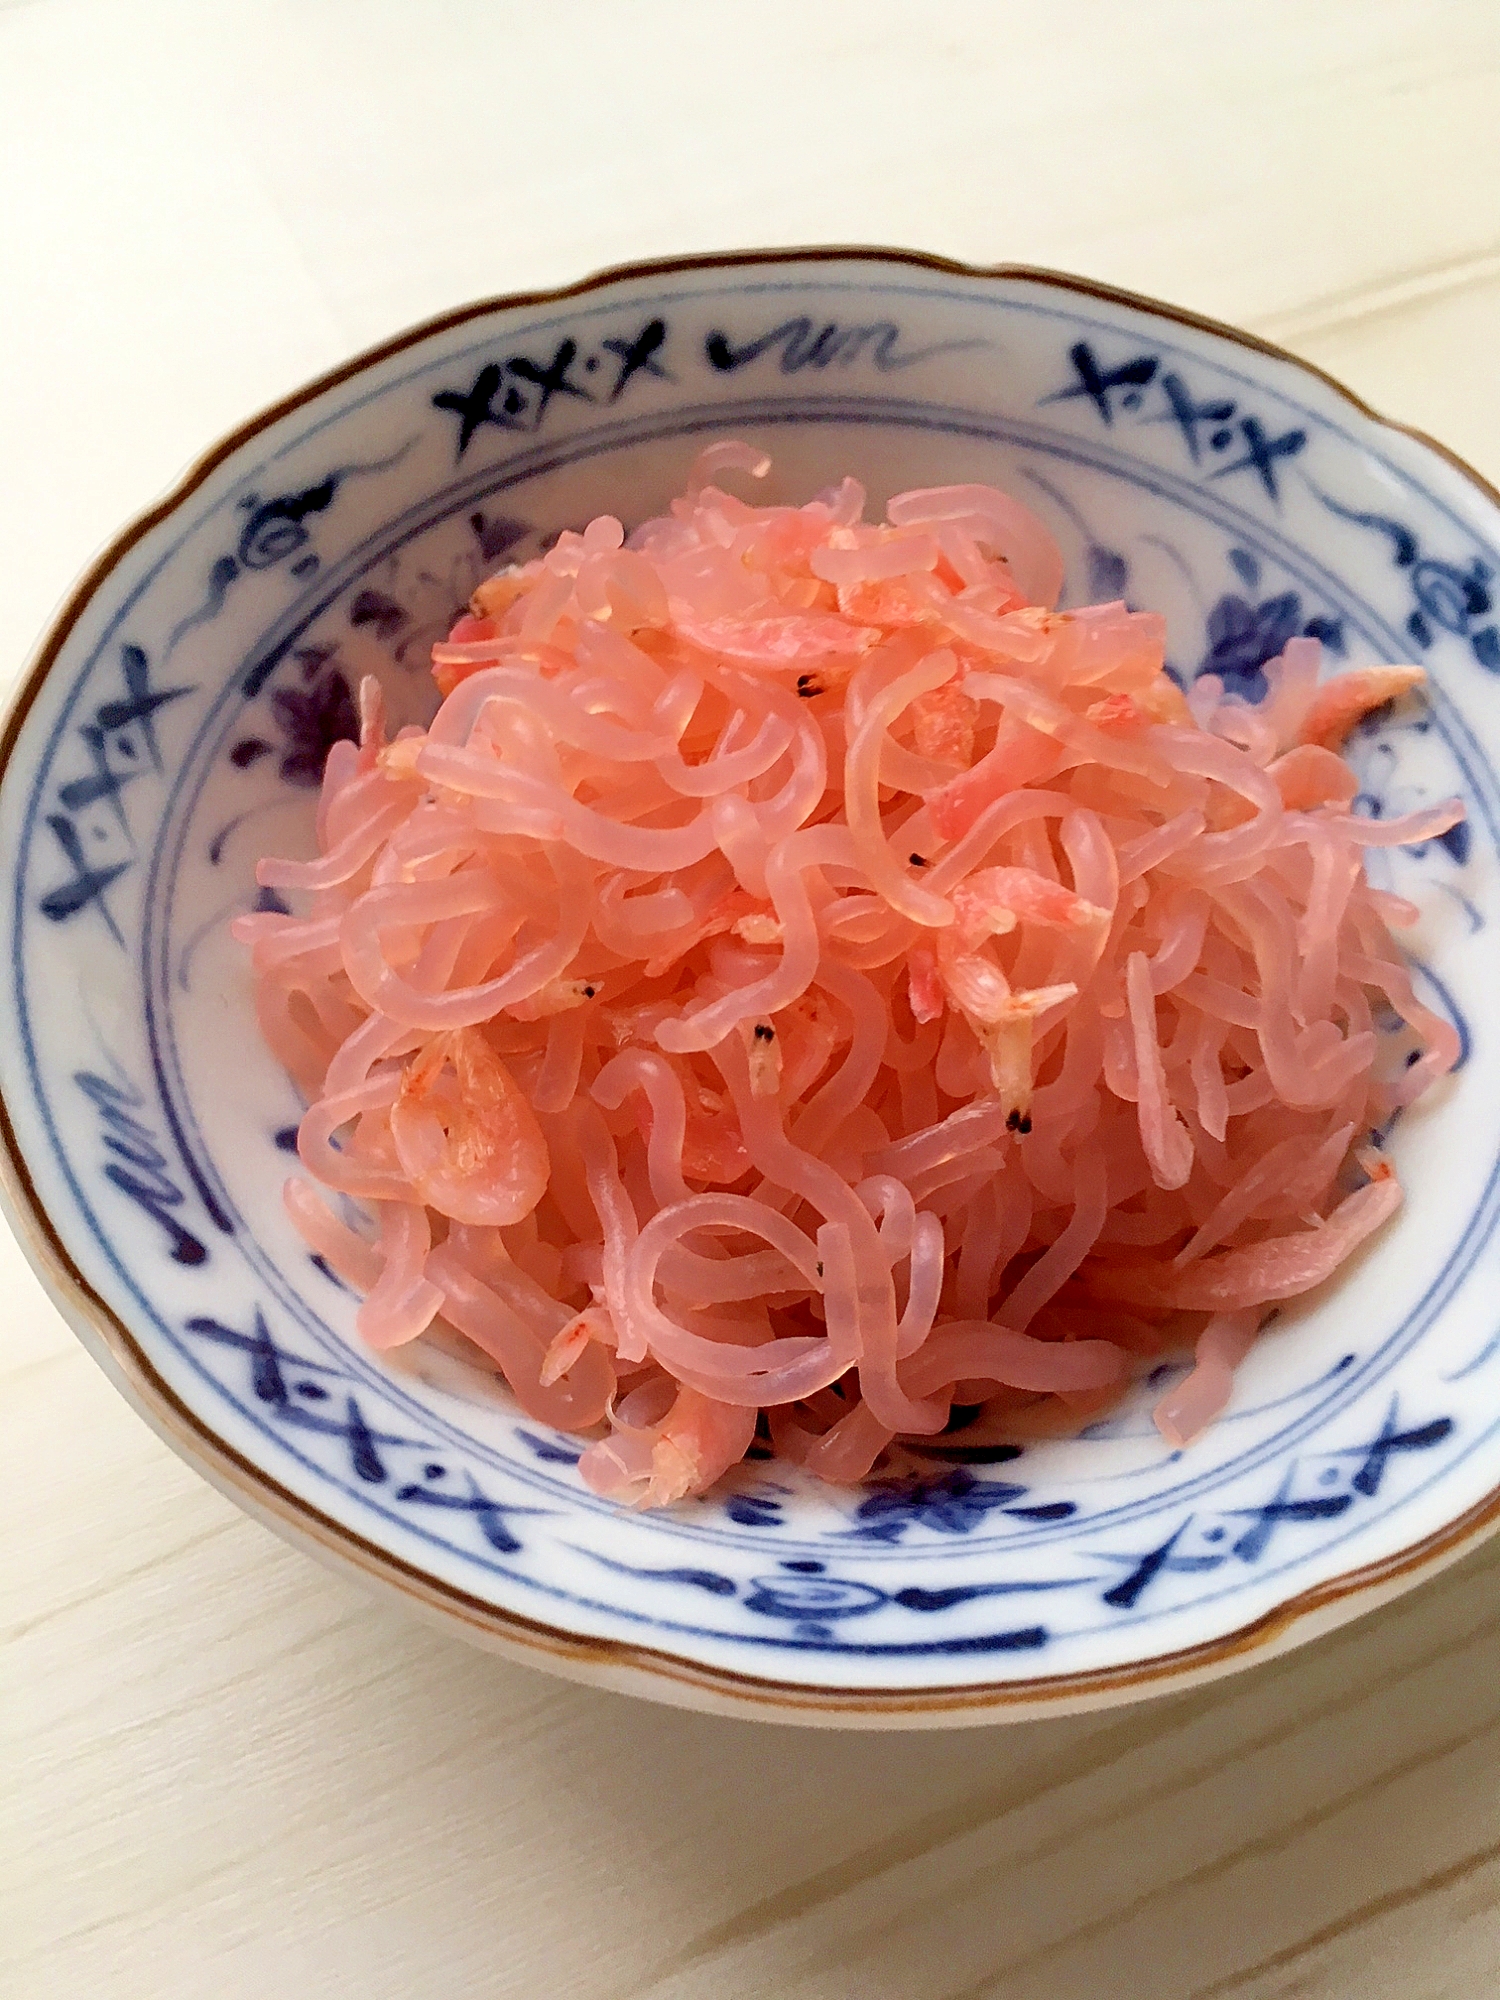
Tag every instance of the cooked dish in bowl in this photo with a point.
(1181, 964)
(801, 982)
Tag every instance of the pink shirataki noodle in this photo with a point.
(802, 981)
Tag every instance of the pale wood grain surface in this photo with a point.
(226, 1773)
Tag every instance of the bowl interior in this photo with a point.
(191, 694)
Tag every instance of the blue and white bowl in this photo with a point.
(173, 729)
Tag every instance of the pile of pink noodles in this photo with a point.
(801, 980)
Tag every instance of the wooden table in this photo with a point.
(225, 1772)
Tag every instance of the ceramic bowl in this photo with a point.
(173, 728)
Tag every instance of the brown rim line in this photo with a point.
(609, 1663)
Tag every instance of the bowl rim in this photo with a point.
(622, 1664)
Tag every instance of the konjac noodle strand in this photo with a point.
(803, 981)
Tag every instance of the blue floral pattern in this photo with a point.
(953, 1503)
(1243, 633)
(310, 719)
